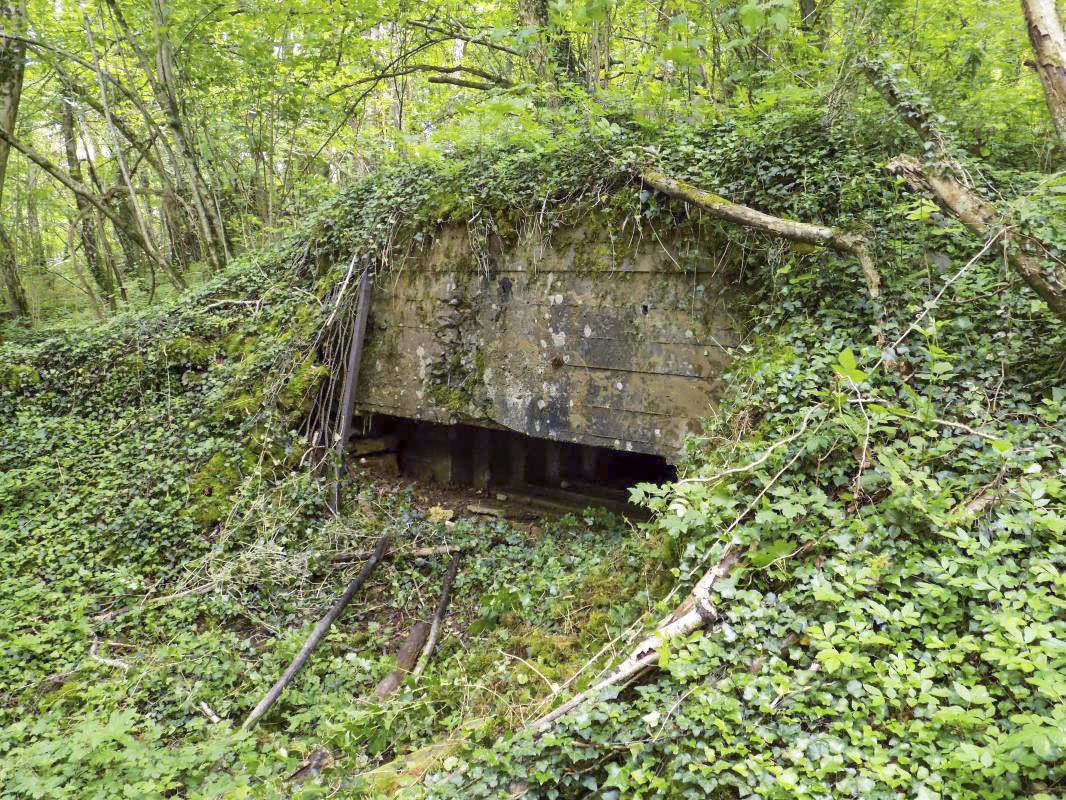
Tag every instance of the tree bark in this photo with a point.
(161, 79)
(1041, 273)
(1049, 46)
(802, 232)
(12, 69)
(79, 188)
(946, 182)
(86, 226)
(405, 660)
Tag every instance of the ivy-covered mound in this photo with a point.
(893, 470)
(897, 477)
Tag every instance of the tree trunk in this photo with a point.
(12, 68)
(1049, 46)
(79, 188)
(161, 79)
(86, 226)
(554, 57)
(38, 254)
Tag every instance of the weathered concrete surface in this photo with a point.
(580, 339)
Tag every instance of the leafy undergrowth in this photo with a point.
(894, 472)
(110, 499)
(896, 627)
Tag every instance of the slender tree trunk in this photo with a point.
(38, 254)
(161, 78)
(86, 225)
(79, 188)
(1049, 46)
(12, 68)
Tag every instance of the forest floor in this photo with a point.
(533, 602)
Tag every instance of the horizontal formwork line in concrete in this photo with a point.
(681, 342)
(597, 368)
(584, 437)
(626, 410)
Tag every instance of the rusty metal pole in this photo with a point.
(351, 383)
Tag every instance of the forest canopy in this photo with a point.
(854, 585)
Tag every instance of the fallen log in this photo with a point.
(694, 613)
(1042, 273)
(438, 618)
(405, 660)
(802, 232)
(316, 635)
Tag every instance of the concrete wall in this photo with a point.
(580, 339)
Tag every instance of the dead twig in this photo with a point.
(438, 618)
(151, 603)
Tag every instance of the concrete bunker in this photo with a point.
(582, 359)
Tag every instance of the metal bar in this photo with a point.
(351, 382)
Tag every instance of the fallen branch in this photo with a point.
(316, 635)
(152, 603)
(696, 612)
(438, 618)
(802, 232)
(946, 183)
(1044, 275)
(405, 660)
(109, 662)
(209, 712)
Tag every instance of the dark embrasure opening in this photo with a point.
(467, 455)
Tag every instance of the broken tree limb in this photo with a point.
(316, 635)
(945, 182)
(909, 105)
(805, 233)
(1044, 275)
(697, 611)
(405, 660)
(151, 603)
(438, 618)
(107, 662)
(209, 712)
